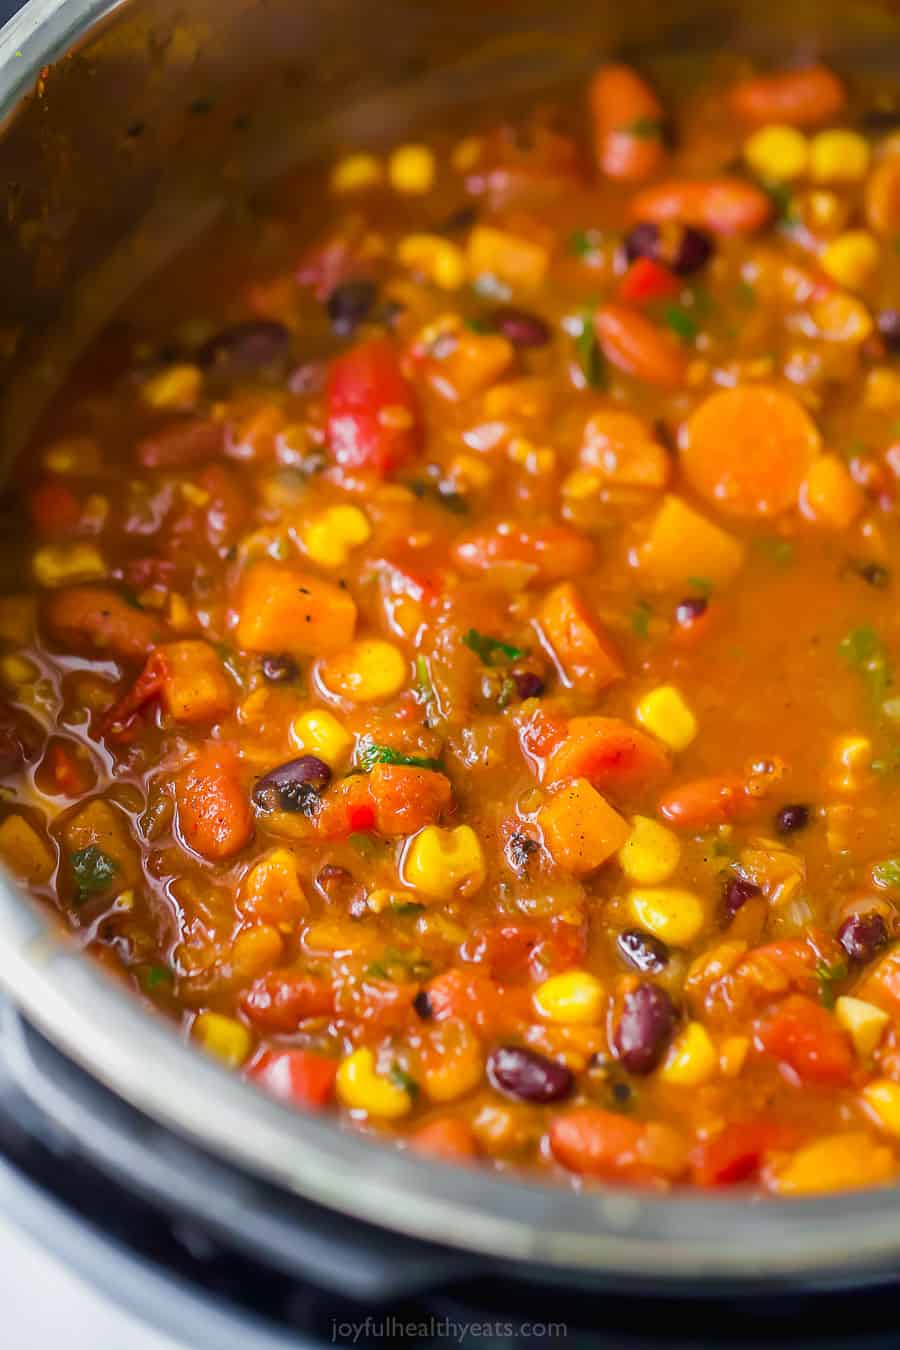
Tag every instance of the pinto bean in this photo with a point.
(801, 98)
(633, 344)
(722, 205)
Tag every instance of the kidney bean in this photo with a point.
(520, 327)
(721, 205)
(246, 349)
(738, 890)
(280, 669)
(350, 303)
(681, 248)
(792, 818)
(633, 344)
(294, 786)
(528, 684)
(526, 1076)
(690, 610)
(645, 952)
(802, 98)
(644, 1028)
(861, 936)
(422, 1005)
(889, 328)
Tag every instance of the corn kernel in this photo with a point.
(533, 459)
(74, 455)
(448, 1076)
(466, 153)
(177, 387)
(674, 915)
(331, 536)
(444, 863)
(839, 1162)
(839, 156)
(881, 1100)
(18, 670)
(510, 258)
(581, 485)
(842, 318)
(411, 169)
(664, 712)
(777, 153)
(863, 1022)
(733, 1055)
(24, 852)
(692, 1058)
(225, 1037)
(355, 173)
(651, 854)
(437, 259)
(368, 671)
(181, 616)
(256, 949)
(882, 389)
(321, 734)
(570, 999)
(467, 473)
(851, 258)
(853, 762)
(16, 618)
(56, 565)
(361, 1088)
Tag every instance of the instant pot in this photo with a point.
(127, 126)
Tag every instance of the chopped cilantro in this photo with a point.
(491, 651)
(780, 551)
(401, 1079)
(680, 322)
(702, 585)
(640, 619)
(407, 908)
(584, 243)
(507, 692)
(887, 873)
(863, 650)
(399, 967)
(478, 325)
(746, 294)
(372, 754)
(424, 687)
(93, 871)
(441, 494)
(828, 976)
(155, 976)
(588, 353)
(782, 199)
(645, 128)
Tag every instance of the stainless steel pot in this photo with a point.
(127, 124)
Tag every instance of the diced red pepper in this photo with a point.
(296, 1076)
(280, 1001)
(372, 410)
(738, 1152)
(647, 280)
(806, 1039)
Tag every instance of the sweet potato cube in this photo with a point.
(194, 685)
(683, 544)
(581, 830)
(585, 654)
(283, 609)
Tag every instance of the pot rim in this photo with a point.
(672, 1237)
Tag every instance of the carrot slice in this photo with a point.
(749, 449)
(628, 124)
(610, 754)
(585, 653)
(406, 798)
(633, 344)
(282, 608)
(802, 98)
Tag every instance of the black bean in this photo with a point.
(528, 684)
(689, 610)
(280, 669)
(880, 119)
(889, 328)
(422, 1005)
(527, 1076)
(645, 952)
(862, 935)
(645, 1028)
(520, 327)
(679, 247)
(294, 786)
(519, 848)
(875, 575)
(247, 349)
(738, 890)
(791, 818)
(463, 219)
(350, 303)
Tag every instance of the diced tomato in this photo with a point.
(737, 1153)
(601, 1143)
(296, 1076)
(449, 1138)
(476, 998)
(373, 414)
(512, 951)
(406, 798)
(610, 754)
(54, 508)
(805, 1037)
(347, 808)
(378, 1007)
(705, 802)
(214, 816)
(280, 1001)
(881, 985)
(647, 280)
(69, 775)
(188, 679)
(541, 732)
